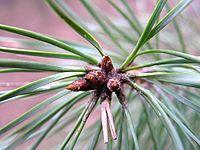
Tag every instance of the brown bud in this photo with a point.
(96, 77)
(78, 85)
(106, 64)
(113, 84)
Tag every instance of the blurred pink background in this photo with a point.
(36, 16)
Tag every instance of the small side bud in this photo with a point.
(95, 77)
(114, 84)
(78, 85)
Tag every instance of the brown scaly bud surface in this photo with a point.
(95, 77)
(104, 81)
(106, 64)
(78, 85)
(114, 84)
